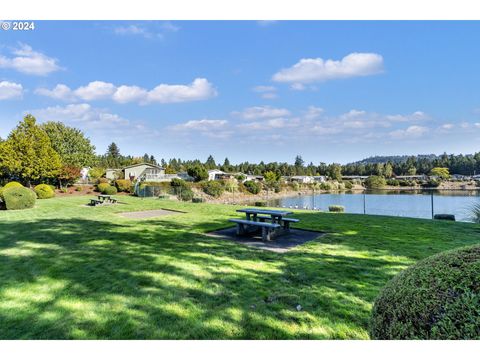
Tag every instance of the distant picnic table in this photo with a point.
(102, 199)
(271, 223)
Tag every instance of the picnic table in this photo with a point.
(272, 223)
(101, 199)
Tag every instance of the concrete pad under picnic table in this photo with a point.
(280, 244)
(146, 214)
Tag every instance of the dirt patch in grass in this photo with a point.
(280, 244)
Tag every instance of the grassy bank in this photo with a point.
(71, 271)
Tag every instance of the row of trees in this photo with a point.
(52, 151)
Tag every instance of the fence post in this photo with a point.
(364, 202)
(431, 197)
(313, 198)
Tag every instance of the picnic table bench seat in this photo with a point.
(247, 226)
(285, 221)
(95, 202)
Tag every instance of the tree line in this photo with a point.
(55, 153)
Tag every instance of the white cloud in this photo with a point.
(125, 94)
(317, 70)
(266, 92)
(95, 90)
(413, 131)
(447, 127)
(416, 116)
(205, 127)
(150, 31)
(313, 113)
(262, 112)
(28, 61)
(83, 115)
(10, 90)
(59, 92)
(199, 89)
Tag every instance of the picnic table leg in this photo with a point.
(240, 229)
(265, 234)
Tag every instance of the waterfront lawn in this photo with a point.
(77, 272)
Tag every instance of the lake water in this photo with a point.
(395, 203)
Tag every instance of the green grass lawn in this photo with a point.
(77, 272)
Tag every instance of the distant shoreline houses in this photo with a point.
(156, 173)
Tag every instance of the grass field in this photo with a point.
(76, 272)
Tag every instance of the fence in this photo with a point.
(420, 204)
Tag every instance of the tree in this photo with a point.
(198, 173)
(271, 179)
(113, 156)
(299, 161)
(388, 170)
(210, 164)
(335, 172)
(441, 172)
(375, 182)
(412, 171)
(28, 155)
(74, 148)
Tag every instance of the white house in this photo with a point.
(218, 175)
(320, 179)
(302, 179)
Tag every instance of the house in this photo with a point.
(460, 177)
(302, 179)
(412, 177)
(354, 177)
(113, 174)
(249, 177)
(219, 175)
(320, 179)
(144, 172)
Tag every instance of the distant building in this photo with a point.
(412, 177)
(460, 177)
(113, 174)
(320, 179)
(219, 175)
(354, 177)
(302, 179)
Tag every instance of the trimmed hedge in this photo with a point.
(9, 185)
(110, 190)
(437, 298)
(123, 185)
(18, 198)
(336, 208)
(44, 191)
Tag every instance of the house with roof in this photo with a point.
(142, 172)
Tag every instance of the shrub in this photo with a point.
(348, 185)
(336, 208)
(450, 217)
(375, 182)
(432, 183)
(79, 188)
(393, 182)
(437, 298)
(326, 186)
(213, 188)
(186, 194)
(102, 186)
(198, 200)
(110, 190)
(44, 191)
(198, 173)
(103, 181)
(9, 185)
(252, 186)
(123, 185)
(178, 182)
(260, 203)
(17, 198)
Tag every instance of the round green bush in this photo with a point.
(252, 186)
(336, 208)
(9, 185)
(110, 190)
(186, 194)
(102, 187)
(17, 198)
(123, 185)
(375, 182)
(213, 188)
(44, 191)
(437, 298)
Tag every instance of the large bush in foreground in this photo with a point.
(437, 298)
(17, 198)
(44, 191)
(123, 185)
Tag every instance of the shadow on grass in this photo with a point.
(86, 279)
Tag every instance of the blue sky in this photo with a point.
(250, 91)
